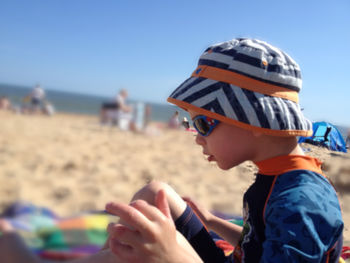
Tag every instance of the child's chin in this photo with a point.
(224, 167)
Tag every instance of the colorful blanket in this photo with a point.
(56, 238)
(53, 237)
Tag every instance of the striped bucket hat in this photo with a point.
(247, 83)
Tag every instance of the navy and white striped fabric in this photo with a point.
(245, 56)
(256, 60)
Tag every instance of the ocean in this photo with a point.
(68, 102)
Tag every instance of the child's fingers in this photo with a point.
(186, 198)
(112, 230)
(125, 235)
(162, 203)
(106, 244)
(150, 211)
(123, 252)
(130, 215)
(190, 202)
(5, 226)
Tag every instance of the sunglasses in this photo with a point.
(204, 125)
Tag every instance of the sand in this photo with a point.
(70, 164)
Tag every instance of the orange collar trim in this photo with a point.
(282, 164)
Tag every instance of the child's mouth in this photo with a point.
(210, 158)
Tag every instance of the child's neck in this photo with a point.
(269, 147)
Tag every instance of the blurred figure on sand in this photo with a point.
(347, 141)
(148, 113)
(174, 122)
(117, 112)
(36, 99)
(48, 108)
(185, 123)
(5, 103)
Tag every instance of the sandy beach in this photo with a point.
(70, 164)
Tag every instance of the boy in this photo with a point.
(243, 100)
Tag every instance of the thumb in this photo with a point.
(162, 203)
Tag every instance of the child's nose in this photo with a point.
(200, 139)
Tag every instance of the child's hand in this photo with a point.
(203, 213)
(150, 235)
(230, 232)
(5, 226)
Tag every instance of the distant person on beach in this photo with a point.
(48, 108)
(37, 97)
(185, 123)
(112, 112)
(147, 116)
(174, 122)
(243, 101)
(5, 103)
(347, 141)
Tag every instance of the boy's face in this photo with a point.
(227, 145)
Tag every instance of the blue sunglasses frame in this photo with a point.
(198, 124)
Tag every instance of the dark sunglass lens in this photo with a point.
(202, 126)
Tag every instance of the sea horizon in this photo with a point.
(88, 104)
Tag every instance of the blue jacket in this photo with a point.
(291, 214)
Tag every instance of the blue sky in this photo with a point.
(150, 47)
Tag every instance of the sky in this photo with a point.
(151, 47)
